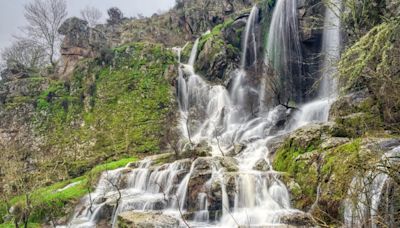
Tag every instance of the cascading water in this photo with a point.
(223, 122)
(367, 193)
(318, 110)
(331, 50)
(283, 50)
(252, 194)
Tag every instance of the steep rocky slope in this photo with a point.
(113, 97)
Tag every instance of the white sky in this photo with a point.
(12, 12)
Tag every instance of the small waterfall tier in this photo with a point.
(318, 110)
(227, 179)
(369, 195)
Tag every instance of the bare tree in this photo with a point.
(92, 15)
(216, 136)
(44, 18)
(24, 52)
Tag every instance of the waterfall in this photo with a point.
(252, 194)
(330, 50)
(365, 194)
(318, 110)
(249, 33)
(283, 51)
(193, 54)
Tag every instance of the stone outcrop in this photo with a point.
(318, 165)
(202, 173)
(298, 219)
(80, 42)
(311, 19)
(188, 19)
(146, 220)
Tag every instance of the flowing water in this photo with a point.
(367, 192)
(283, 51)
(220, 117)
(318, 110)
(330, 50)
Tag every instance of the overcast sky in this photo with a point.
(12, 12)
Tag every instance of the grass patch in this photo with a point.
(50, 202)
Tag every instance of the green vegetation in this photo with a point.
(215, 32)
(308, 166)
(107, 113)
(373, 64)
(49, 202)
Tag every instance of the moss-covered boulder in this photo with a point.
(319, 168)
(217, 58)
(370, 68)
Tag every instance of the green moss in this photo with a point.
(11, 225)
(311, 167)
(358, 124)
(289, 159)
(49, 202)
(108, 112)
(375, 45)
(215, 34)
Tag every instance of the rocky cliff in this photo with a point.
(114, 96)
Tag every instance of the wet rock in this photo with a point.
(237, 149)
(216, 60)
(200, 176)
(146, 220)
(229, 164)
(262, 165)
(275, 143)
(281, 118)
(230, 185)
(307, 135)
(133, 165)
(350, 103)
(215, 196)
(233, 33)
(201, 149)
(188, 215)
(297, 219)
(389, 144)
(310, 18)
(201, 173)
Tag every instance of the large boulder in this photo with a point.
(202, 172)
(311, 18)
(80, 41)
(298, 219)
(146, 220)
(14, 71)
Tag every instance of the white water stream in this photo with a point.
(365, 194)
(220, 117)
(318, 110)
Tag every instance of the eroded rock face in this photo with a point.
(80, 42)
(191, 150)
(262, 165)
(14, 71)
(311, 19)
(188, 19)
(146, 220)
(201, 174)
